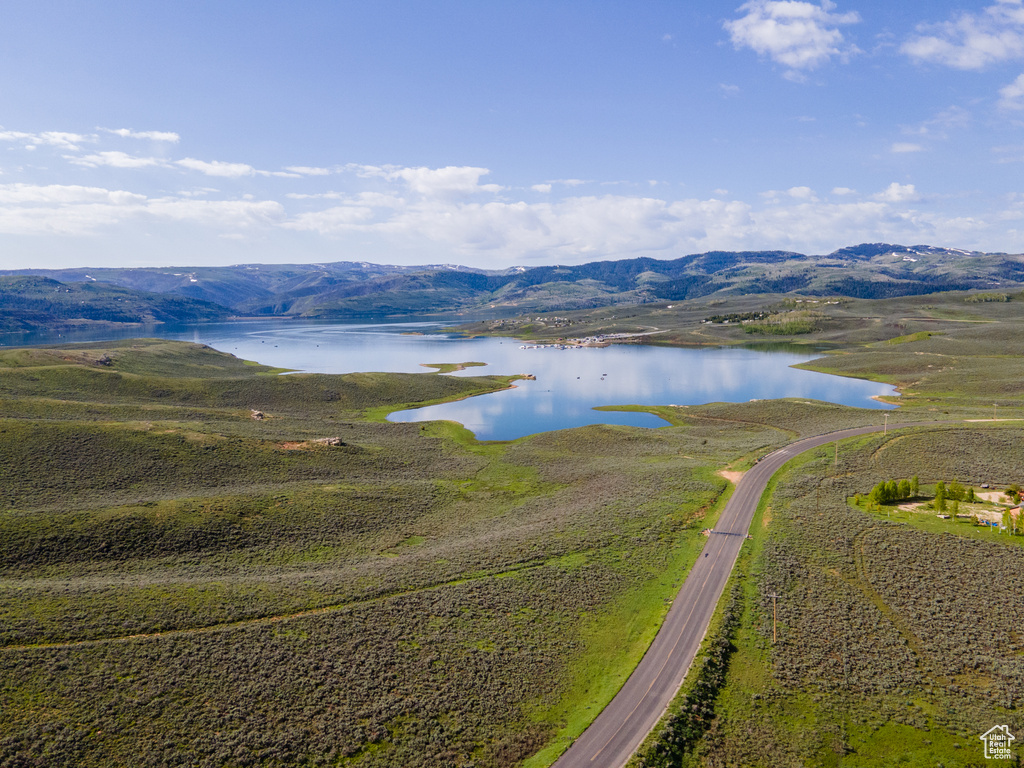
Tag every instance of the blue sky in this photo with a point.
(493, 134)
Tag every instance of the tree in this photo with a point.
(970, 496)
(877, 494)
(914, 486)
(955, 491)
(892, 491)
(904, 489)
(940, 496)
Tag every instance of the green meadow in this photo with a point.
(183, 583)
(204, 562)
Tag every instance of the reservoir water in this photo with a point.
(569, 383)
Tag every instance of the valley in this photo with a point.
(319, 586)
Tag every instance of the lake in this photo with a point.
(569, 383)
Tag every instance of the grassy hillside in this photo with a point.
(32, 303)
(896, 646)
(319, 587)
(174, 572)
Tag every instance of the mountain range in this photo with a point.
(36, 298)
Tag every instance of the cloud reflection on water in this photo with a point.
(570, 383)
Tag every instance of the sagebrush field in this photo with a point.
(184, 581)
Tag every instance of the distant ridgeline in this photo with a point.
(70, 297)
(29, 302)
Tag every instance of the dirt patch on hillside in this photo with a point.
(731, 476)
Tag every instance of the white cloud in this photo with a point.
(27, 209)
(901, 147)
(798, 35)
(73, 210)
(127, 133)
(307, 170)
(114, 159)
(972, 40)
(217, 213)
(581, 228)
(898, 193)
(332, 220)
(1012, 95)
(443, 181)
(543, 188)
(314, 196)
(411, 219)
(1009, 154)
(801, 193)
(31, 194)
(449, 181)
(940, 126)
(279, 174)
(218, 168)
(729, 90)
(60, 139)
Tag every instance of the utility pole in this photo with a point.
(993, 411)
(775, 616)
(886, 430)
(837, 456)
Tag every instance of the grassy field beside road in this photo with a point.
(203, 562)
(183, 583)
(896, 646)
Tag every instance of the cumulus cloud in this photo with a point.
(410, 214)
(972, 40)
(217, 168)
(114, 159)
(801, 193)
(314, 195)
(217, 213)
(306, 170)
(1012, 95)
(25, 194)
(60, 139)
(897, 193)
(901, 147)
(449, 181)
(581, 228)
(799, 35)
(543, 188)
(126, 133)
(28, 209)
(70, 210)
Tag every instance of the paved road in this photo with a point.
(618, 731)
